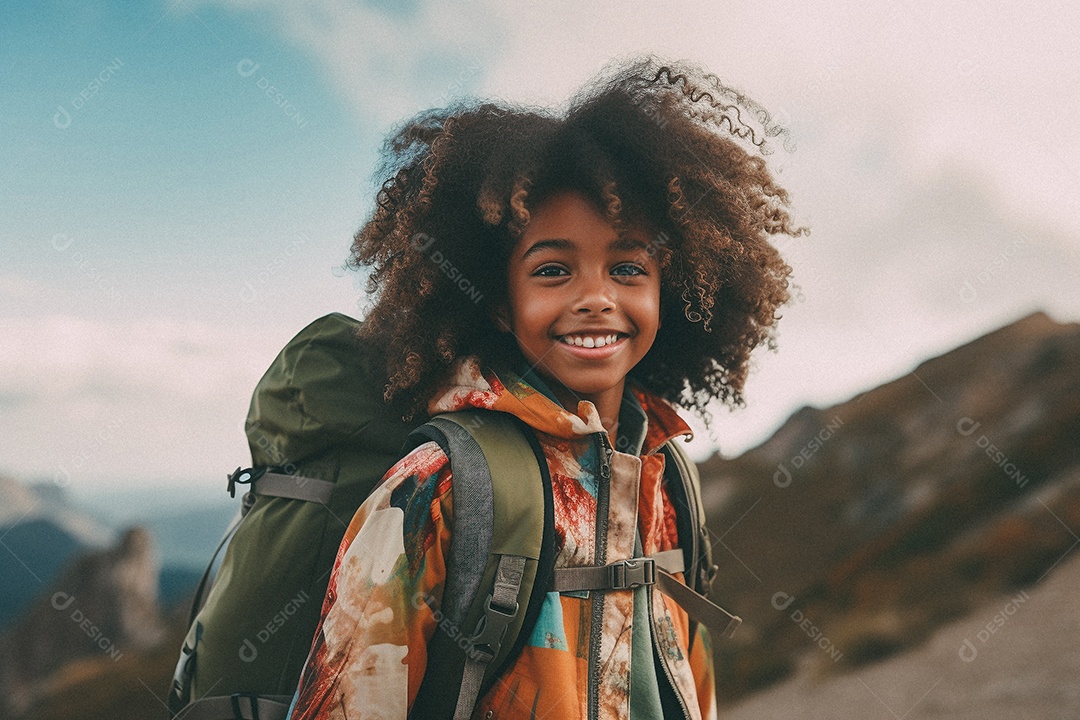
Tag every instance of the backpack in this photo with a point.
(321, 438)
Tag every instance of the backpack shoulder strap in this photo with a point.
(684, 487)
(496, 558)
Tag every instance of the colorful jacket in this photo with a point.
(370, 651)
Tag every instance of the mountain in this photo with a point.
(40, 533)
(43, 528)
(21, 503)
(104, 605)
(855, 531)
(36, 551)
(187, 520)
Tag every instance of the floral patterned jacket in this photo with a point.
(369, 654)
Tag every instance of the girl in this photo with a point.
(584, 273)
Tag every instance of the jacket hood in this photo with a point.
(525, 396)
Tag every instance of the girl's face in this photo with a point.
(584, 302)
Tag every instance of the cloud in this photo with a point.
(934, 151)
(88, 399)
(388, 62)
(943, 261)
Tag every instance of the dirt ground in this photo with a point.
(1018, 656)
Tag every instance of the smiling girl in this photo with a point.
(595, 269)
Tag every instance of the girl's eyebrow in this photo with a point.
(620, 243)
(553, 243)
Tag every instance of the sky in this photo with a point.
(180, 182)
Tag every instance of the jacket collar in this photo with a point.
(645, 421)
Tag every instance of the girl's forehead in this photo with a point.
(570, 208)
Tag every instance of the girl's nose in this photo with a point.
(596, 295)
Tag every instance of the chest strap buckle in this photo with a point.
(632, 573)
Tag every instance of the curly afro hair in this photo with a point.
(664, 146)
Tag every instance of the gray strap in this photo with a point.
(656, 569)
(241, 706)
(621, 575)
(499, 611)
(698, 606)
(294, 487)
(671, 561)
(470, 542)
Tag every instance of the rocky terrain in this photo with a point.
(104, 606)
(1014, 657)
(856, 531)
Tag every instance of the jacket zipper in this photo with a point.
(663, 657)
(603, 500)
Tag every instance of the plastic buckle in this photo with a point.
(243, 477)
(485, 643)
(632, 573)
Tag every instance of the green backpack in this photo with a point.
(321, 438)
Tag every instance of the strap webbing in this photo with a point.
(656, 569)
(499, 482)
(620, 575)
(671, 561)
(698, 606)
(240, 706)
(499, 611)
(293, 487)
(470, 542)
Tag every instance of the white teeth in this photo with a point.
(589, 341)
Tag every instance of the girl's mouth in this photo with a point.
(592, 345)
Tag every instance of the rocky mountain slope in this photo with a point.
(857, 530)
(105, 605)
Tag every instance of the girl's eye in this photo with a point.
(549, 271)
(628, 269)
